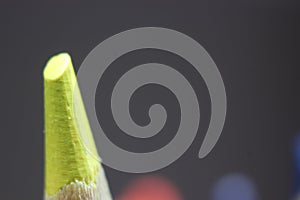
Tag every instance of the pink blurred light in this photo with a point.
(151, 188)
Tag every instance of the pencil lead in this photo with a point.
(72, 167)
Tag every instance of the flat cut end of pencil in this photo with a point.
(56, 66)
(71, 156)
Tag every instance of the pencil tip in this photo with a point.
(56, 66)
(70, 150)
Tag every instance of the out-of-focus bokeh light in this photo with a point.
(234, 187)
(150, 188)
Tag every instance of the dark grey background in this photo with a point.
(255, 45)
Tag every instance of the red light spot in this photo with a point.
(151, 188)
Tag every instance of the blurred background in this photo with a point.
(255, 45)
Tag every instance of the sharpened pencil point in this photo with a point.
(72, 162)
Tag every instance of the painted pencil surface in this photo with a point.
(73, 169)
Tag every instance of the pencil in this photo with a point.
(72, 166)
